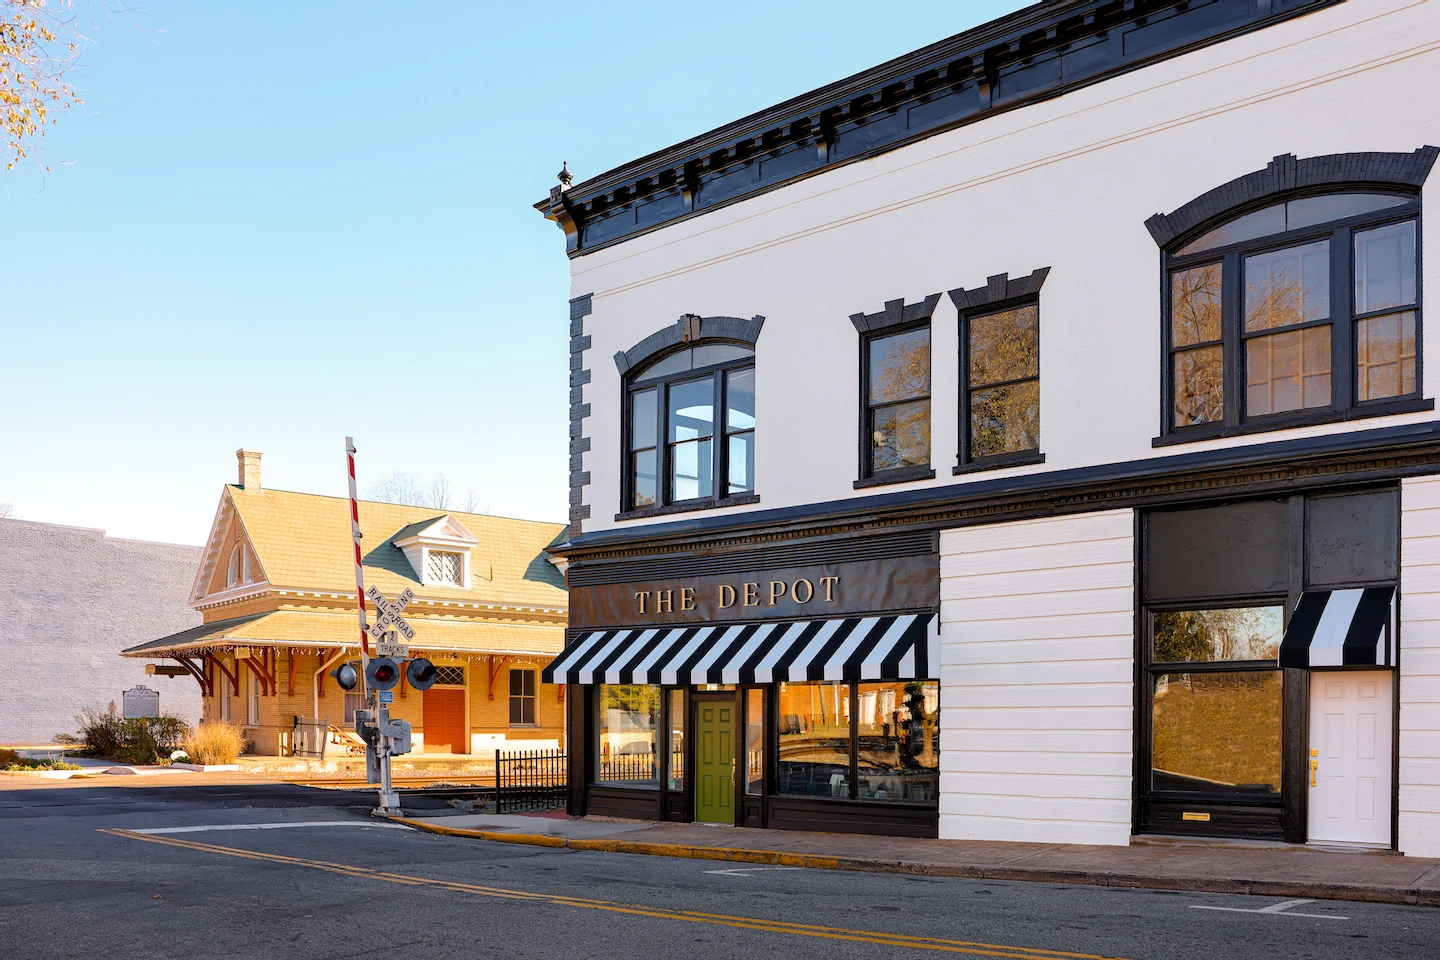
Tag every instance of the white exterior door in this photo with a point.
(1351, 726)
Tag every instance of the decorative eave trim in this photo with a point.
(1043, 51)
(896, 314)
(1368, 456)
(999, 289)
(690, 328)
(1285, 174)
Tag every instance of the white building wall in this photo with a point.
(1067, 183)
(1037, 659)
(1419, 797)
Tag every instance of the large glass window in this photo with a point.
(898, 747)
(627, 726)
(1216, 700)
(814, 751)
(679, 449)
(1001, 405)
(754, 741)
(677, 740)
(897, 401)
(1262, 308)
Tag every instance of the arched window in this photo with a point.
(1298, 311)
(690, 427)
(239, 569)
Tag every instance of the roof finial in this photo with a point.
(565, 176)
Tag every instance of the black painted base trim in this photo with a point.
(670, 508)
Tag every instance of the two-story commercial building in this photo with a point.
(1044, 449)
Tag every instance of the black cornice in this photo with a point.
(690, 328)
(1385, 453)
(1042, 51)
(897, 313)
(1284, 175)
(999, 289)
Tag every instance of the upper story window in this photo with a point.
(1299, 312)
(238, 571)
(1001, 392)
(445, 567)
(896, 414)
(690, 427)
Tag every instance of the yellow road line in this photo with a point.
(973, 948)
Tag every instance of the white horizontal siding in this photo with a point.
(1037, 661)
(1419, 775)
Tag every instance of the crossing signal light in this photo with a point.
(346, 676)
(420, 673)
(382, 673)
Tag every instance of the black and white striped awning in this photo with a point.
(1341, 628)
(860, 648)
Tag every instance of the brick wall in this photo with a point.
(76, 598)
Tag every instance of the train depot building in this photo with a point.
(276, 589)
(1030, 438)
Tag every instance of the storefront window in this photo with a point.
(814, 754)
(677, 739)
(1217, 732)
(899, 751)
(754, 742)
(1231, 633)
(628, 725)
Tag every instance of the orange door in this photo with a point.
(445, 721)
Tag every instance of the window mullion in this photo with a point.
(1232, 312)
(719, 421)
(663, 493)
(962, 455)
(1342, 334)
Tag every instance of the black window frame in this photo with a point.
(1344, 389)
(720, 459)
(869, 476)
(965, 462)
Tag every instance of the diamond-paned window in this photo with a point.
(445, 567)
(450, 676)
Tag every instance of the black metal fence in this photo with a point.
(529, 780)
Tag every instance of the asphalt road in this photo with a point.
(78, 879)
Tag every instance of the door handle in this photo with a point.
(1314, 765)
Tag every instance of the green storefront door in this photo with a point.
(715, 762)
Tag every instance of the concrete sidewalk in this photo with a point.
(1242, 867)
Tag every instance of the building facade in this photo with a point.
(276, 590)
(76, 599)
(1044, 450)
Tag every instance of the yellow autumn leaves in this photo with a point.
(32, 71)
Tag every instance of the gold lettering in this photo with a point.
(727, 596)
(664, 601)
(687, 598)
(640, 598)
(795, 590)
(752, 594)
(777, 590)
(829, 584)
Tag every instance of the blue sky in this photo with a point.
(285, 223)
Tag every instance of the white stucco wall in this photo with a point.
(1037, 659)
(1067, 184)
(1419, 780)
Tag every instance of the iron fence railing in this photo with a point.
(530, 780)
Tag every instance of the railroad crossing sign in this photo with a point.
(388, 623)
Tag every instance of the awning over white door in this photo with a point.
(857, 648)
(1341, 628)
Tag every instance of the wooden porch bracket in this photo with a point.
(264, 670)
(201, 676)
(495, 669)
(234, 677)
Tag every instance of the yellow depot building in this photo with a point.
(276, 588)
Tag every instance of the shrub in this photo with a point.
(213, 742)
(110, 736)
(8, 757)
(27, 763)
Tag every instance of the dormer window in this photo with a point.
(445, 567)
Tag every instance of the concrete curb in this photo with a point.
(1364, 893)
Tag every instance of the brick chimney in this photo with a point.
(249, 468)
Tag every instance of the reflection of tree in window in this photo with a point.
(1004, 381)
(1237, 633)
(1197, 366)
(899, 399)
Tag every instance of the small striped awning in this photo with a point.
(859, 648)
(1341, 628)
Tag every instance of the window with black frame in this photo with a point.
(1302, 311)
(1216, 700)
(1000, 390)
(690, 428)
(896, 414)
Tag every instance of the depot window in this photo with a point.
(1299, 312)
(690, 428)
